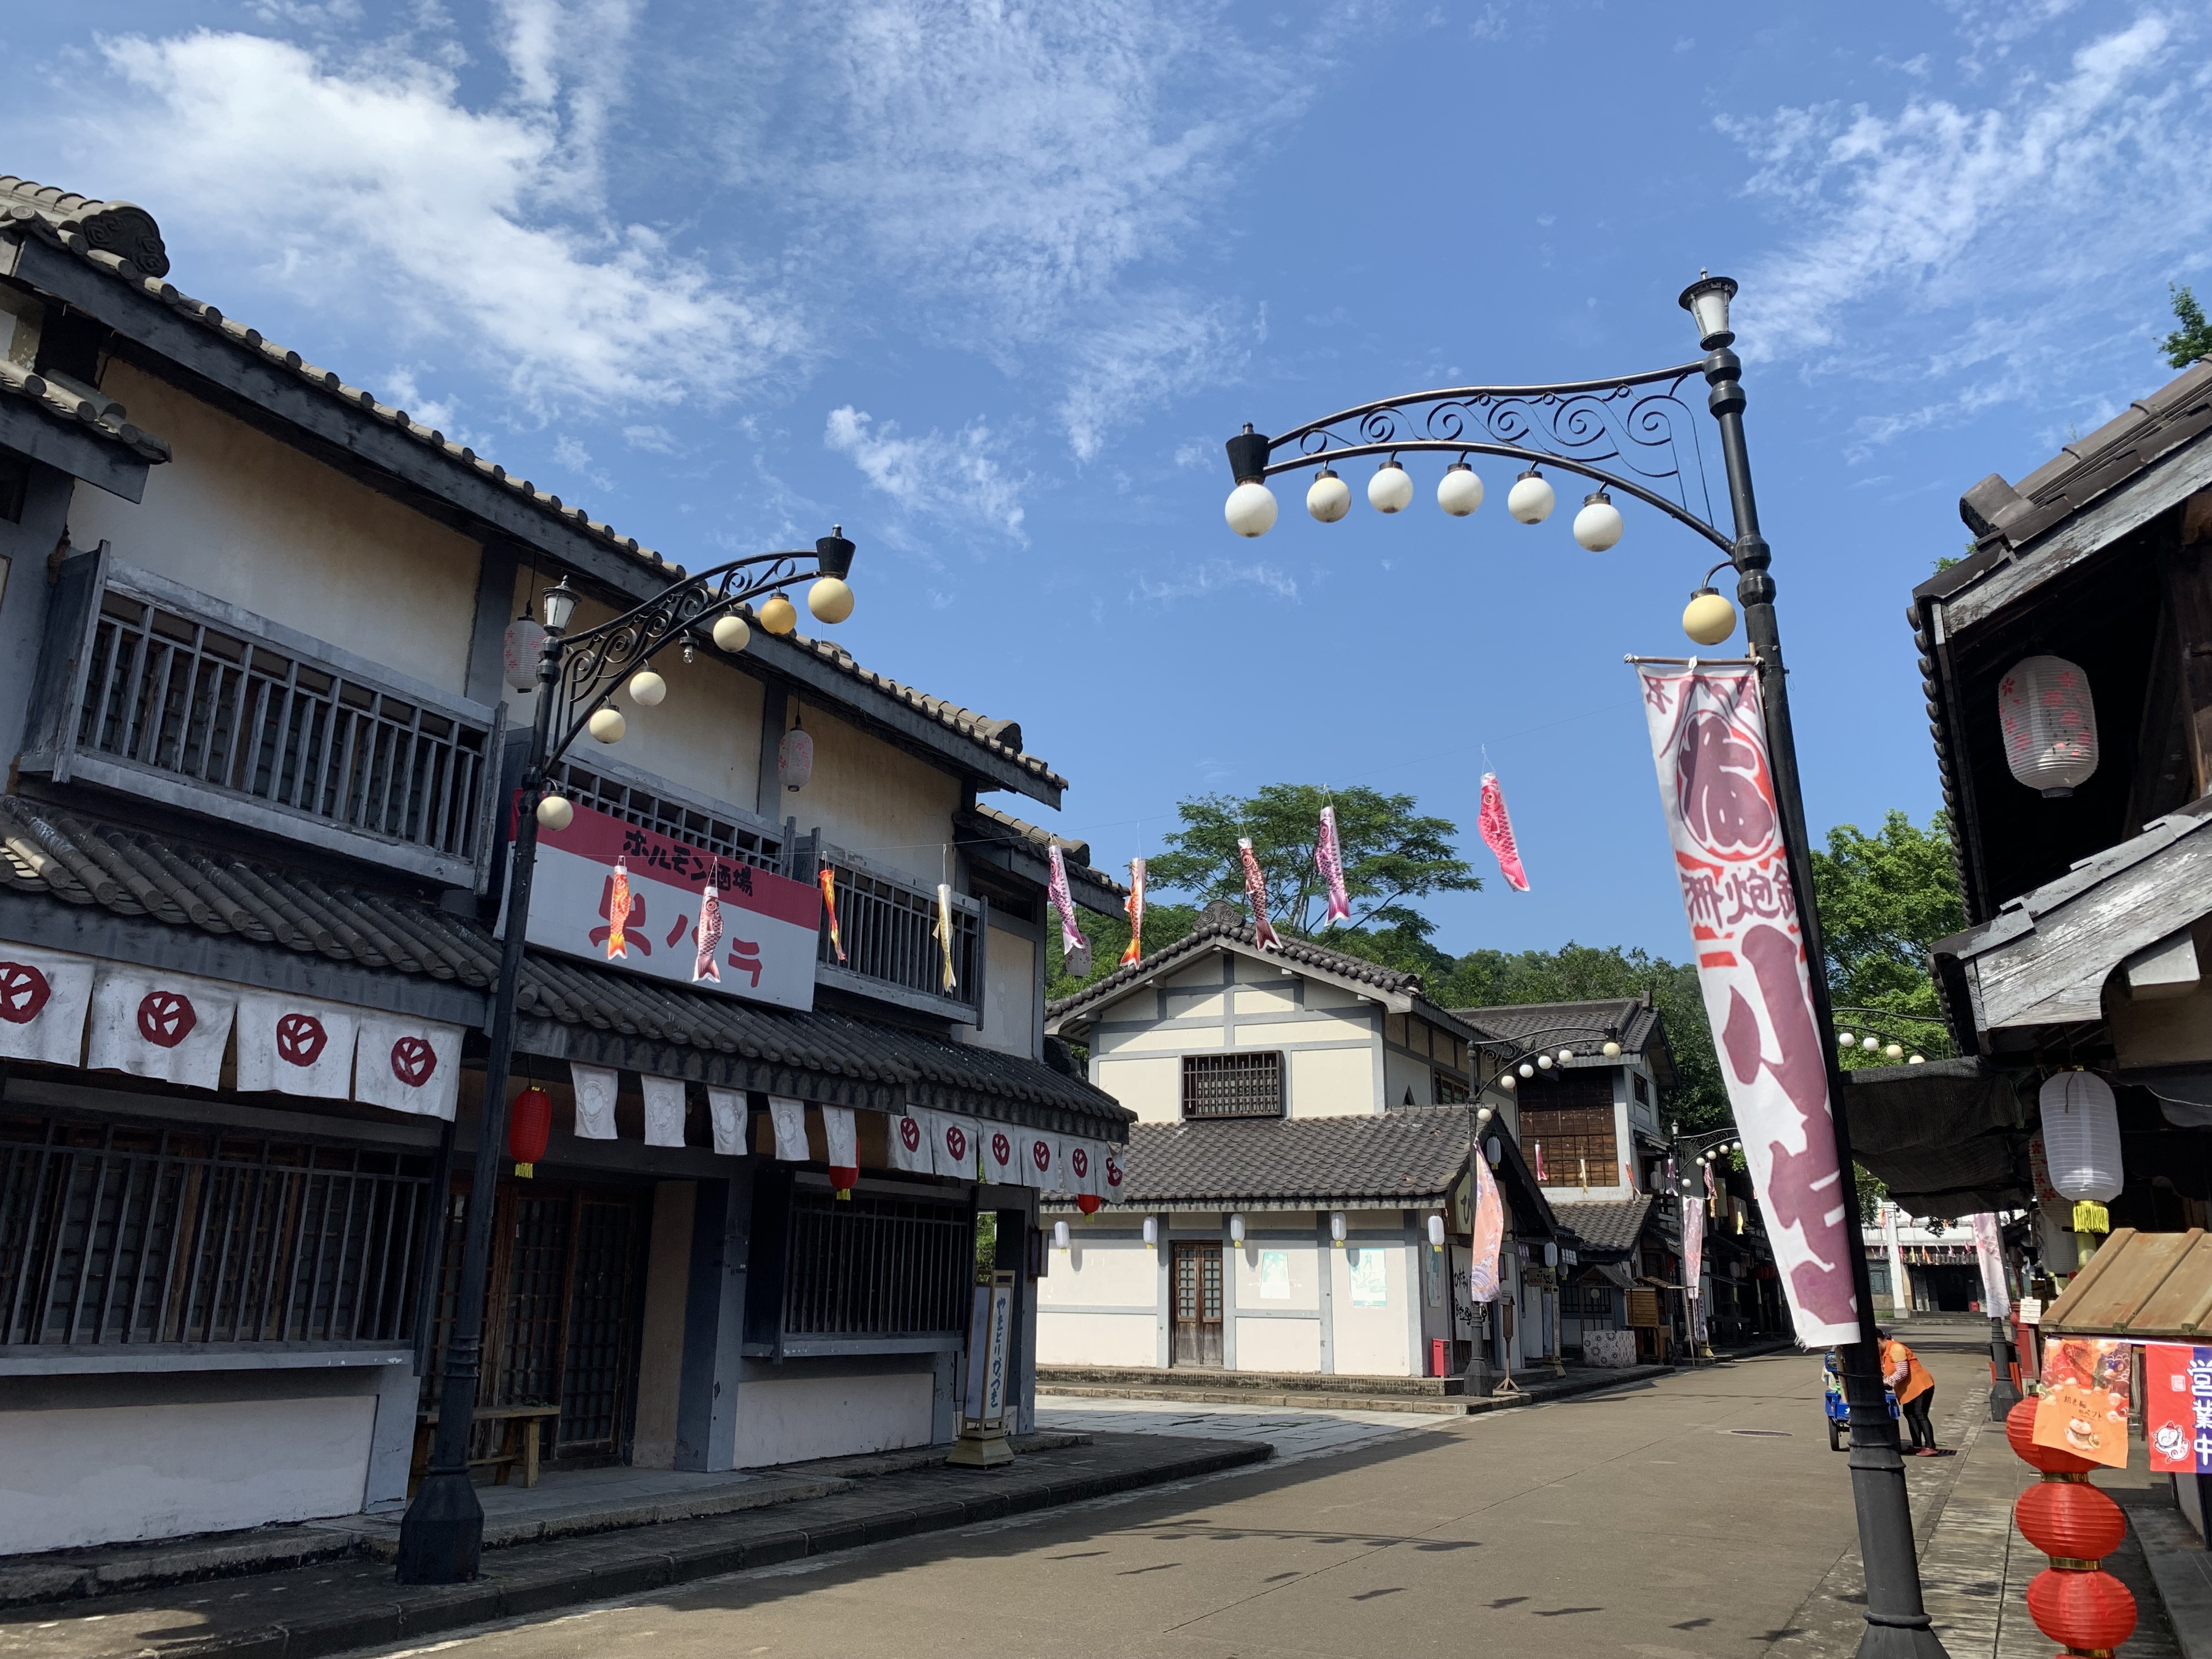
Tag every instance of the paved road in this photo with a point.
(1683, 1517)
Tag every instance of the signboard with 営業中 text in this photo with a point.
(759, 930)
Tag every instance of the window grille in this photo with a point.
(889, 929)
(1233, 1085)
(1642, 1090)
(114, 1233)
(876, 1266)
(174, 693)
(679, 819)
(1572, 1140)
(1448, 1090)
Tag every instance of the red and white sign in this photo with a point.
(171, 1027)
(407, 1064)
(44, 997)
(954, 1153)
(295, 1046)
(1114, 1183)
(663, 1111)
(910, 1142)
(726, 1106)
(1709, 744)
(596, 1087)
(1041, 1152)
(1085, 1168)
(768, 921)
(788, 1117)
(1002, 1154)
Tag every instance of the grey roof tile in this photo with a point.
(1605, 1225)
(1584, 1027)
(105, 418)
(1404, 1157)
(1209, 934)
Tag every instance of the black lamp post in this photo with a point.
(1636, 433)
(441, 1535)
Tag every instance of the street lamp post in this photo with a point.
(1636, 434)
(441, 1535)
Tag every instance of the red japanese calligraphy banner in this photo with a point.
(769, 922)
(2177, 1408)
(1716, 789)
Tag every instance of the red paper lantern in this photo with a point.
(2019, 1429)
(842, 1180)
(2089, 1610)
(2070, 1520)
(529, 1122)
(1088, 1203)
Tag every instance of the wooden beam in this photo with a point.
(2187, 571)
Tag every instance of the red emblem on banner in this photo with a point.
(910, 1134)
(1002, 1150)
(24, 992)
(166, 1018)
(1113, 1171)
(413, 1060)
(956, 1140)
(301, 1039)
(1080, 1161)
(1040, 1155)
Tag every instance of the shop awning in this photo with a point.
(2141, 1286)
(1948, 1138)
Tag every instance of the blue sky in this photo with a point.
(989, 285)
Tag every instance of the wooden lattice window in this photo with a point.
(1233, 1085)
(1575, 1140)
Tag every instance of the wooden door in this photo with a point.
(1197, 1282)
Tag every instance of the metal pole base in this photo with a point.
(982, 1449)
(1900, 1642)
(442, 1534)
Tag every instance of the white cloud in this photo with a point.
(1217, 576)
(2023, 208)
(474, 225)
(955, 475)
(659, 439)
(1164, 346)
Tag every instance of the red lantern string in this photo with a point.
(2072, 1601)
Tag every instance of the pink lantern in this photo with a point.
(794, 759)
(518, 651)
(2050, 725)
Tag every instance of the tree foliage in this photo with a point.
(1392, 856)
(1884, 899)
(2193, 339)
(1109, 936)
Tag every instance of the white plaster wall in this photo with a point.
(1304, 1265)
(1277, 1345)
(1333, 1082)
(1097, 1339)
(1401, 1072)
(69, 1478)
(1151, 1088)
(1369, 1341)
(875, 800)
(1258, 1000)
(1009, 994)
(237, 514)
(790, 1419)
(1092, 1274)
(1197, 1040)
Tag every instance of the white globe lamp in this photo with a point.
(1250, 509)
(1328, 498)
(647, 689)
(1459, 492)
(1598, 526)
(1531, 497)
(730, 633)
(1391, 489)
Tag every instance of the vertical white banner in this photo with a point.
(789, 1117)
(1716, 790)
(663, 1111)
(406, 1064)
(910, 1137)
(726, 1106)
(955, 1151)
(596, 1088)
(162, 1025)
(840, 1136)
(295, 1046)
(1002, 1154)
(1988, 1251)
(44, 998)
(1041, 1153)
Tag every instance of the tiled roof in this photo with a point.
(119, 237)
(1395, 1158)
(104, 419)
(587, 1012)
(1210, 934)
(1584, 1027)
(1605, 1224)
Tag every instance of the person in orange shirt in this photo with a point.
(1908, 1379)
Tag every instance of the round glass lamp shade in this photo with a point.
(607, 725)
(830, 600)
(1391, 489)
(1708, 619)
(779, 614)
(1459, 492)
(730, 633)
(555, 812)
(1598, 526)
(2050, 725)
(1250, 509)
(1328, 498)
(1531, 497)
(647, 689)
(2082, 1136)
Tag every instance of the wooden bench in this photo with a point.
(530, 1419)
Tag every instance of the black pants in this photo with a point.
(1916, 1416)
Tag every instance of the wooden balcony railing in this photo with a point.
(889, 928)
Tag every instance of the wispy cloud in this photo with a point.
(475, 224)
(959, 476)
(1217, 576)
(1163, 348)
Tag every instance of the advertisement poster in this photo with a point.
(1371, 1287)
(2083, 1408)
(768, 923)
(2177, 1408)
(1274, 1275)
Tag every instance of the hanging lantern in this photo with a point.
(2050, 725)
(2082, 1136)
(1236, 1230)
(518, 650)
(2072, 1601)
(1436, 1232)
(795, 760)
(1336, 1228)
(529, 1122)
(1152, 1232)
(1060, 1235)
(2089, 1611)
(2070, 1519)
(1088, 1202)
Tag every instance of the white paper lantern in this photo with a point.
(2082, 1136)
(1236, 1230)
(1494, 1150)
(1436, 1232)
(1060, 1235)
(518, 651)
(2050, 725)
(1336, 1227)
(794, 759)
(1152, 1232)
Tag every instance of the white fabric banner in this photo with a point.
(1002, 1155)
(789, 1117)
(911, 1139)
(295, 1046)
(727, 1109)
(167, 1026)
(840, 1135)
(1082, 1163)
(1113, 1177)
(1988, 1251)
(44, 998)
(407, 1064)
(596, 1088)
(663, 1111)
(954, 1152)
(1042, 1153)
(1716, 790)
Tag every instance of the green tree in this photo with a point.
(1109, 936)
(1884, 899)
(2193, 339)
(1391, 854)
